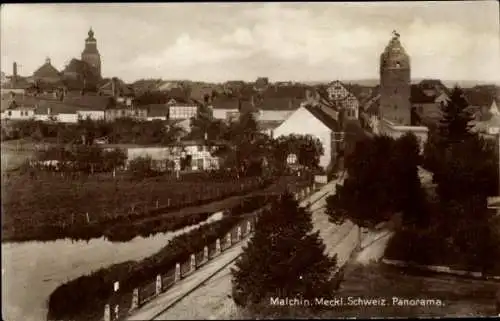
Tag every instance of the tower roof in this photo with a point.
(394, 51)
(91, 34)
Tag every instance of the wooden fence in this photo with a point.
(120, 306)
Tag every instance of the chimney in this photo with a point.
(113, 87)
(252, 101)
(14, 71)
(49, 111)
(290, 104)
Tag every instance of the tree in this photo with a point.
(141, 167)
(454, 124)
(382, 180)
(463, 175)
(291, 259)
(307, 148)
(113, 159)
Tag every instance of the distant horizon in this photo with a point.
(358, 81)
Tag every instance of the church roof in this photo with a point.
(46, 71)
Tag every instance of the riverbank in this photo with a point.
(33, 270)
(81, 298)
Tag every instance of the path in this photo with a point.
(213, 301)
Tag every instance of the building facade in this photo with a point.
(181, 110)
(112, 114)
(309, 120)
(395, 83)
(340, 97)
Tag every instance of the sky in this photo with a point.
(297, 41)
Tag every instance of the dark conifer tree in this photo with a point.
(454, 125)
(283, 259)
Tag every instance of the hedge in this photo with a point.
(80, 298)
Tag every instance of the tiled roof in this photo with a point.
(269, 103)
(46, 71)
(478, 97)
(419, 97)
(271, 124)
(431, 83)
(291, 91)
(121, 87)
(157, 110)
(55, 108)
(21, 101)
(224, 102)
(323, 117)
(87, 101)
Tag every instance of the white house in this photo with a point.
(90, 114)
(225, 113)
(67, 118)
(56, 113)
(199, 153)
(314, 121)
(20, 113)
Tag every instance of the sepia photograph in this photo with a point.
(250, 160)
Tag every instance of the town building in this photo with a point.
(47, 73)
(95, 114)
(90, 54)
(197, 155)
(317, 122)
(123, 111)
(340, 97)
(392, 108)
(395, 83)
(181, 110)
(486, 120)
(157, 112)
(20, 113)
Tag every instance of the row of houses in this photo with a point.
(197, 154)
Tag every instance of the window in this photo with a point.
(395, 107)
(398, 64)
(199, 163)
(9, 113)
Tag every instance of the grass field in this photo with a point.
(15, 153)
(52, 203)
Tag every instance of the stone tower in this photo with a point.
(91, 55)
(395, 83)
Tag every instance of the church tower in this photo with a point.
(395, 83)
(91, 55)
